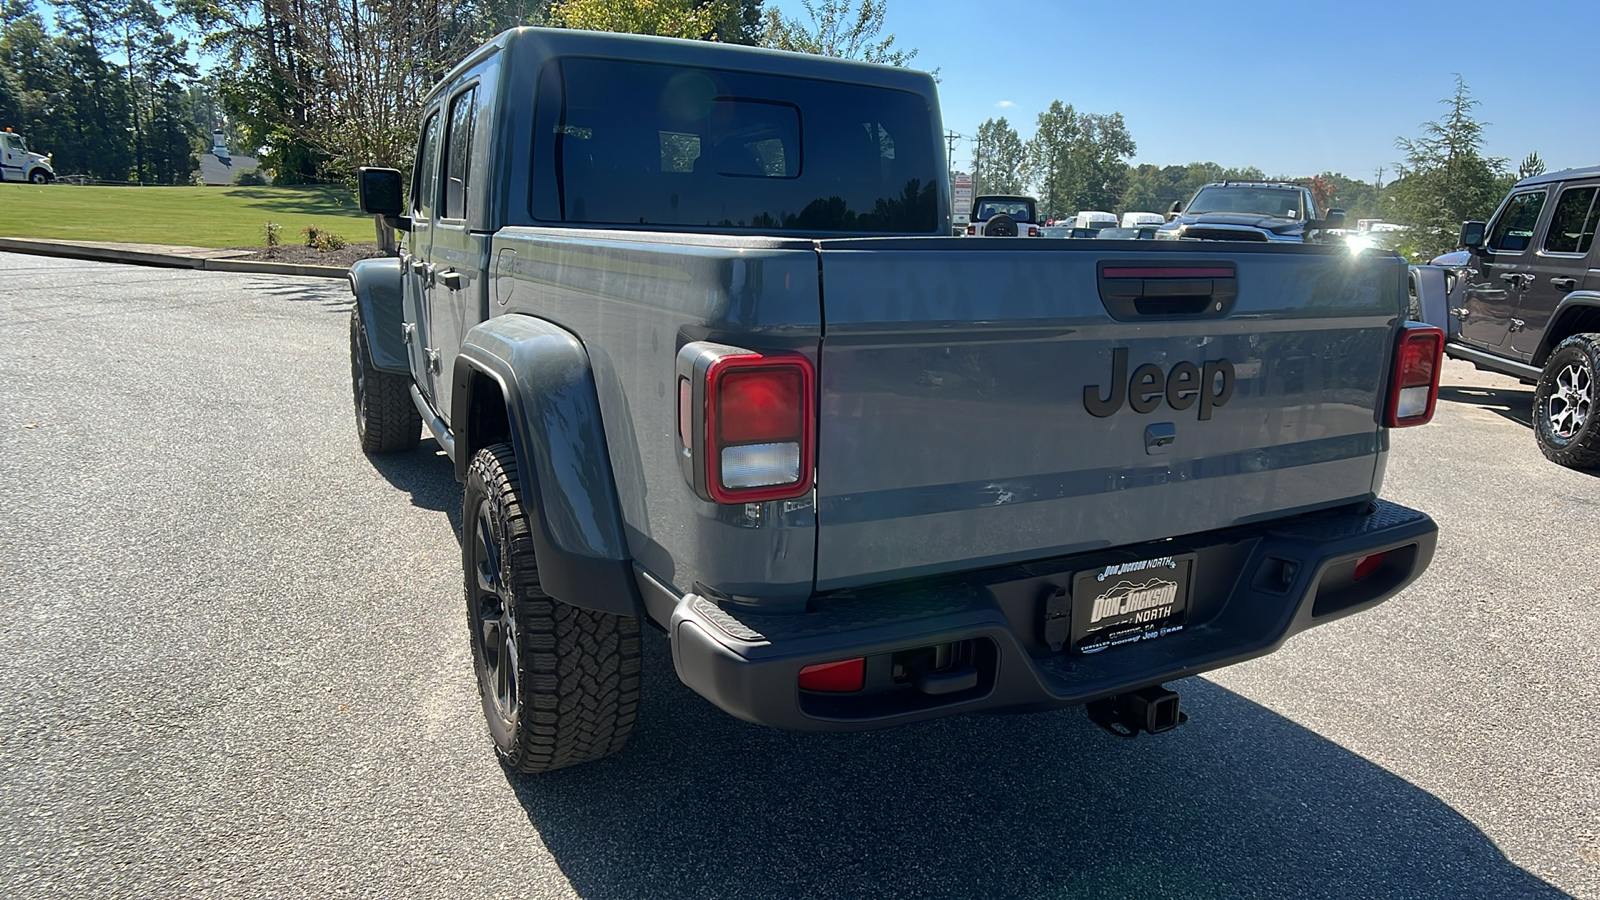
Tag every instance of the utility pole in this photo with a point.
(1380, 178)
(950, 138)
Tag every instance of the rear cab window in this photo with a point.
(1572, 224)
(458, 154)
(645, 144)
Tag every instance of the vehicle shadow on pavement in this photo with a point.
(331, 294)
(1239, 802)
(1513, 404)
(426, 474)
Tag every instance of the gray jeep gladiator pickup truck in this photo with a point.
(690, 322)
(1523, 299)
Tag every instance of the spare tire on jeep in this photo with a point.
(1000, 225)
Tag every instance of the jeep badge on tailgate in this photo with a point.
(1145, 390)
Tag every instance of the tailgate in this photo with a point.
(976, 405)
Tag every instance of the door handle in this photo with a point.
(1511, 277)
(451, 279)
(1516, 324)
(1566, 284)
(418, 267)
(1461, 312)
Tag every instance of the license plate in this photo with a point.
(1129, 602)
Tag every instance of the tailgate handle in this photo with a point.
(1138, 291)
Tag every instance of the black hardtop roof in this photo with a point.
(544, 43)
(1003, 197)
(1563, 175)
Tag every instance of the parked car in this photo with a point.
(1004, 216)
(923, 497)
(1522, 297)
(1274, 212)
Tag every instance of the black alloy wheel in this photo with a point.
(559, 684)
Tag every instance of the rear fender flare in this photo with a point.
(541, 374)
(1431, 284)
(1577, 303)
(376, 284)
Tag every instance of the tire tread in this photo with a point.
(1582, 451)
(579, 670)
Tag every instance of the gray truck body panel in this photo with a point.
(636, 302)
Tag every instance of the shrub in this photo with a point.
(271, 230)
(317, 239)
(250, 178)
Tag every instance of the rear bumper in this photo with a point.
(1253, 587)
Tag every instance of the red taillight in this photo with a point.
(1414, 383)
(759, 427)
(840, 677)
(1366, 565)
(759, 405)
(1032, 231)
(972, 229)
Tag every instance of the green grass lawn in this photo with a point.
(193, 216)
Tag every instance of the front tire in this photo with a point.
(560, 685)
(39, 176)
(1564, 419)
(386, 419)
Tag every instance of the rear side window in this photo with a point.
(620, 143)
(425, 176)
(458, 154)
(1572, 223)
(1513, 231)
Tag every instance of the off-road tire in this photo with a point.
(386, 419)
(572, 694)
(1000, 225)
(1570, 374)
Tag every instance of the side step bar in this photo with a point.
(441, 432)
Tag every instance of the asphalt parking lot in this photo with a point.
(233, 663)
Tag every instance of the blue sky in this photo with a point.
(1297, 88)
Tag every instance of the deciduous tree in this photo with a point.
(998, 159)
(843, 28)
(695, 19)
(1079, 160)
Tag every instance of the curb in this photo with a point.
(165, 260)
(272, 268)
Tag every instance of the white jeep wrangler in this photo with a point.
(998, 216)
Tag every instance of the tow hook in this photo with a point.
(1151, 709)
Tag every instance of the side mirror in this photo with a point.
(1334, 219)
(381, 194)
(1472, 234)
(1177, 207)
